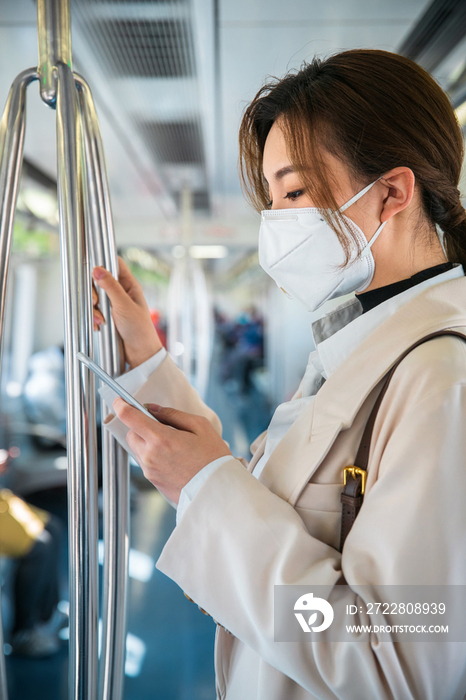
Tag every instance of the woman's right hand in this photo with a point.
(130, 313)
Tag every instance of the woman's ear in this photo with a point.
(400, 183)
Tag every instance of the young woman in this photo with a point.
(369, 133)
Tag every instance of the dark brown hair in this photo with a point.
(376, 111)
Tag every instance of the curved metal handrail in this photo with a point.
(86, 233)
(12, 127)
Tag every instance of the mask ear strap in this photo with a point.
(369, 245)
(357, 196)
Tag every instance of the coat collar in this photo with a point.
(346, 326)
(337, 403)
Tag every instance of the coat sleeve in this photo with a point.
(167, 386)
(237, 540)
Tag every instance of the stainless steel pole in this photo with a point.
(54, 34)
(12, 128)
(54, 55)
(57, 88)
(115, 459)
(81, 437)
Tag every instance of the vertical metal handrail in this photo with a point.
(81, 436)
(54, 38)
(85, 219)
(57, 88)
(12, 128)
(115, 459)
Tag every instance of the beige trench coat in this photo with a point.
(240, 535)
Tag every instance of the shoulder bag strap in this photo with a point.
(354, 477)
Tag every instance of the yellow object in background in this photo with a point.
(20, 524)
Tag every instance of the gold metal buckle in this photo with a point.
(353, 471)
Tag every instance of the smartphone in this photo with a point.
(126, 396)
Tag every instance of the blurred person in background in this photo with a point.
(354, 161)
(243, 347)
(251, 344)
(32, 537)
(160, 325)
(44, 397)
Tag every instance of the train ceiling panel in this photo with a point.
(152, 49)
(200, 200)
(171, 79)
(145, 53)
(175, 142)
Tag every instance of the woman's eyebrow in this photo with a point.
(282, 172)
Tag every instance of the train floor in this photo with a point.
(169, 646)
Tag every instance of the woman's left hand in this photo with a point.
(174, 450)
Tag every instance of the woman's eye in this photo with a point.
(293, 195)
(269, 204)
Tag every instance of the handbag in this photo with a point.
(354, 476)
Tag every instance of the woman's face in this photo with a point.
(286, 188)
(400, 250)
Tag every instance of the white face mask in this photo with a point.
(302, 253)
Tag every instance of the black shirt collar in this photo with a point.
(376, 296)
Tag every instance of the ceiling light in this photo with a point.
(42, 204)
(208, 251)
